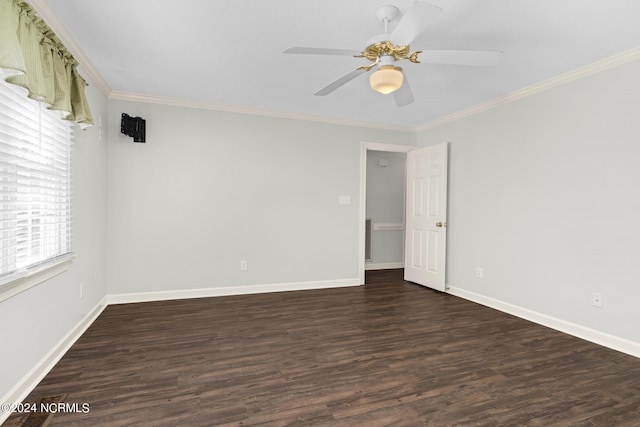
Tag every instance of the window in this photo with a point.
(35, 184)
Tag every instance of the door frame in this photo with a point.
(364, 147)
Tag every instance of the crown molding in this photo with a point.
(571, 76)
(45, 12)
(43, 9)
(187, 103)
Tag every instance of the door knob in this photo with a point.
(441, 224)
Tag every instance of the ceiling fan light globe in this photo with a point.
(387, 79)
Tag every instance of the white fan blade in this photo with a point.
(322, 51)
(414, 21)
(404, 95)
(339, 82)
(478, 58)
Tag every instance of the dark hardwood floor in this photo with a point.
(386, 354)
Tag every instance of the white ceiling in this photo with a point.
(229, 53)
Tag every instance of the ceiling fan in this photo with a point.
(386, 49)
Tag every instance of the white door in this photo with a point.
(426, 216)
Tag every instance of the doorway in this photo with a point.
(386, 229)
(426, 171)
(385, 216)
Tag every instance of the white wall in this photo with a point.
(36, 320)
(209, 189)
(545, 196)
(385, 204)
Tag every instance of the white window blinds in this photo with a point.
(35, 179)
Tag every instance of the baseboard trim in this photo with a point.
(610, 341)
(22, 389)
(383, 265)
(229, 290)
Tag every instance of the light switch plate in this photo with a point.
(344, 200)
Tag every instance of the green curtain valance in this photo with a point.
(33, 57)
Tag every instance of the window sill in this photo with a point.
(34, 277)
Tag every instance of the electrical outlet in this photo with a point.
(596, 301)
(243, 265)
(479, 272)
(81, 289)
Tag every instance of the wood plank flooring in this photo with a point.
(388, 353)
